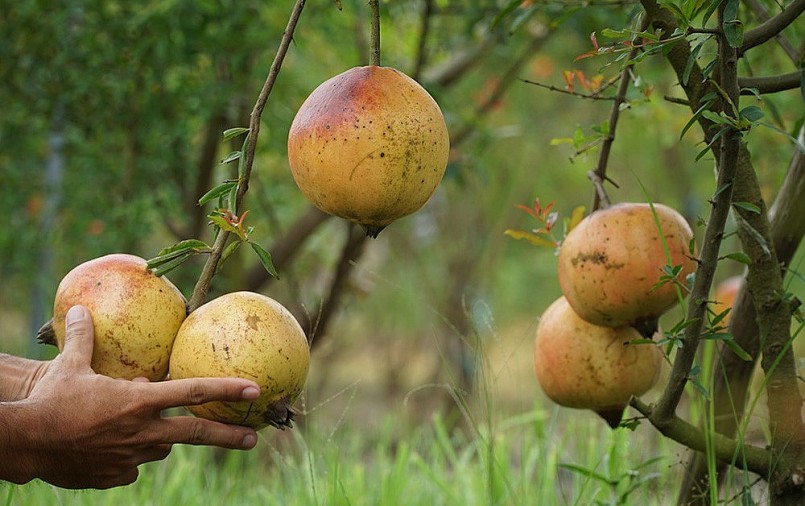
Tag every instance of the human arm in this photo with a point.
(78, 429)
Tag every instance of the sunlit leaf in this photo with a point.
(575, 217)
(528, 236)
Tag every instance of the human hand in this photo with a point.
(79, 429)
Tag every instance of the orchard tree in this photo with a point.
(720, 52)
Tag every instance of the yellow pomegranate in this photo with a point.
(136, 315)
(246, 335)
(584, 366)
(611, 262)
(369, 145)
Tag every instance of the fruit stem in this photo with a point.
(374, 36)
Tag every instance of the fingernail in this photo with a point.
(250, 393)
(75, 313)
(249, 440)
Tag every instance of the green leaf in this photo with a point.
(586, 472)
(747, 206)
(733, 27)
(720, 189)
(230, 248)
(694, 55)
(752, 113)
(739, 256)
(217, 192)
(716, 118)
(736, 348)
(711, 8)
(265, 259)
(234, 132)
(189, 246)
(169, 266)
(231, 157)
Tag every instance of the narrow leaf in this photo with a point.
(736, 348)
(230, 248)
(234, 132)
(231, 157)
(739, 256)
(265, 259)
(528, 236)
(172, 264)
(747, 206)
(733, 28)
(189, 246)
(217, 192)
(575, 217)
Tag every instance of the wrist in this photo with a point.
(17, 454)
(18, 376)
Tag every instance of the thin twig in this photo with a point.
(596, 95)
(203, 285)
(374, 33)
(600, 198)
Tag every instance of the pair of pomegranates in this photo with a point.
(619, 270)
(142, 330)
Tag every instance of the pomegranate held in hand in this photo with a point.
(136, 315)
(246, 335)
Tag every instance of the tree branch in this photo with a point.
(424, 28)
(771, 84)
(760, 11)
(773, 26)
(203, 284)
(725, 448)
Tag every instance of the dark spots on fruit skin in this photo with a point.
(596, 258)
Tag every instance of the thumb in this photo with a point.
(79, 338)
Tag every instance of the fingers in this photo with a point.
(193, 391)
(79, 338)
(198, 431)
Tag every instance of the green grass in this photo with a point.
(539, 457)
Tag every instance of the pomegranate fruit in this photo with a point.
(611, 262)
(726, 291)
(585, 366)
(369, 145)
(135, 314)
(247, 335)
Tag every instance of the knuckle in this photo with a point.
(200, 433)
(196, 394)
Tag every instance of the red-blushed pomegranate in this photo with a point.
(611, 262)
(584, 366)
(369, 145)
(136, 315)
(246, 335)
